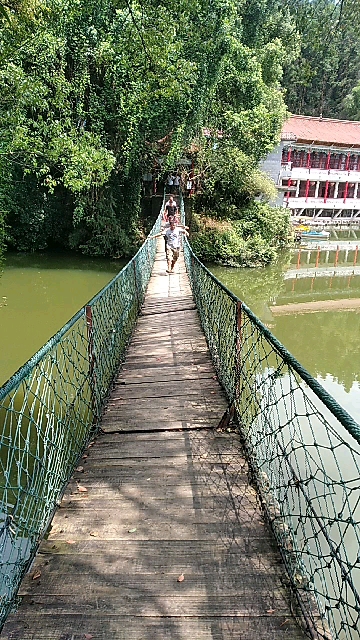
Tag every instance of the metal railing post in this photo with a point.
(92, 361)
(238, 346)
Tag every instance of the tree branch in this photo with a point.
(152, 67)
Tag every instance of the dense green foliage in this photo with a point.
(327, 68)
(252, 239)
(93, 93)
(245, 119)
(96, 93)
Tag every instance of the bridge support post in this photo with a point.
(136, 286)
(92, 361)
(230, 412)
(238, 346)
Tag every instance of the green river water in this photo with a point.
(39, 293)
(324, 335)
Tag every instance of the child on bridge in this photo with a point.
(173, 242)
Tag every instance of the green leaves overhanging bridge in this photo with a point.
(294, 435)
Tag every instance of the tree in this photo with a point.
(351, 104)
(99, 85)
(327, 67)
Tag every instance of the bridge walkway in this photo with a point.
(160, 534)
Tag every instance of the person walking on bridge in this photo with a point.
(170, 210)
(173, 243)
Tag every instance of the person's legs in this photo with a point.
(169, 258)
(175, 255)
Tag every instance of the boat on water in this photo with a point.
(313, 234)
(303, 233)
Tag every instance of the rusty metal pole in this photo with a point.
(92, 361)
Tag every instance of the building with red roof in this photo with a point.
(317, 168)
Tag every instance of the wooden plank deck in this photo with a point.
(160, 535)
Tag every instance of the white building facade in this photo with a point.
(316, 168)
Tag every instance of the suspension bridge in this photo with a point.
(169, 470)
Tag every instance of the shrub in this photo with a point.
(253, 239)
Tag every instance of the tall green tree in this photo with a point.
(96, 85)
(90, 89)
(328, 65)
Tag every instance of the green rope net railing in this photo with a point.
(303, 448)
(50, 408)
(304, 456)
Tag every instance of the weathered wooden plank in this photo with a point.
(172, 408)
(149, 310)
(179, 331)
(169, 319)
(135, 504)
(189, 406)
(186, 355)
(164, 554)
(127, 445)
(142, 474)
(171, 302)
(166, 584)
(207, 422)
(130, 375)
(213, 438)
(166, 389)
(178, 359)
(169, 335)
(115, 627)
(182, 479)
(145, 604)
(156, 375)
(103, 524)
(169, 339)
(190, 514)
(158, 557)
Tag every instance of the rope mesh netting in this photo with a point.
(303, 450)
(49, 410)
(302, 447)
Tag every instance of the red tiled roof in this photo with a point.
(342, 133)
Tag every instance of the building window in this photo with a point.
(302, 189)
(351, 190)
(335, 161)
(318, 160)
(285, 155)
(312, 187)
(331, 190)
(354, 164)
(343, 161)
(315, 159)
(322, 190)
(299, 158)
(341, 190)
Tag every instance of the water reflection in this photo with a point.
(39, 293)
(312, 306)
